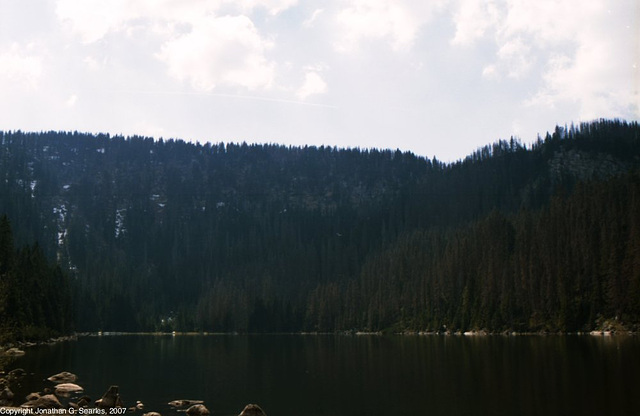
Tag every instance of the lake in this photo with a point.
(340, 375)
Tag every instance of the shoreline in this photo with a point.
(17, 348)
(474, 333)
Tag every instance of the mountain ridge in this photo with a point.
(235, 237)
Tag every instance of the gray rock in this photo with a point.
(6, 396)
(33, 396)
(184, 403)
(66, 389)
(14, 352)
(252, 410)
(64, 377)
(198, 410)
(110, 399)
(84, 401)
(48, 401)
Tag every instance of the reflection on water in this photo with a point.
(314, 375)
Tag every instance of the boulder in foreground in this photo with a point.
(184, 403)
(110, 399)
(252, 410)
(48, 401)
(65, 389)
(64, 377)
(6, 396)
(198, 410)
(14, 352)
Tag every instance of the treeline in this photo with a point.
(168, 235)
(35, 296)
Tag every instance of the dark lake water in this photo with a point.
(340, 375)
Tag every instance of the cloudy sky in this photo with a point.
(439, 77)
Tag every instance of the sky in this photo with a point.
(437, 78)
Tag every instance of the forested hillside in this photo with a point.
(35, 296)
(164, 234)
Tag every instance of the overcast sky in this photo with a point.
(434, 77)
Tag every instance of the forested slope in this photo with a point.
(35, 296)
(568, 267)
(234, 237)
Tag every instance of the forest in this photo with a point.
(143, 234)
(35, 296)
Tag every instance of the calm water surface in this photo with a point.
(314, 375)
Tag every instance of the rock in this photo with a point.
(64, 377)
(65, 389)
(48, 401)
(252, 410)
(198, 410)
(151, 414)
(6, 396)
(84, 401)
(184, 403)
(110, 399)
(33, 396)
(14, 352)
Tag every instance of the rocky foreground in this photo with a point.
(66, 398)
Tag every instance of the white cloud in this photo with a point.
(93, 19)
(549, 22)
(583, 50)
(515, 57)
(473, 18)
(198, 45)
(220, 50)
(394, 20)
(597, 74)
(313, 84)
(314, 16)
(598, 78)
(523, 28)
(520, 29)
(71, 101)
(19, 64)
(91, 63)
(272, 6)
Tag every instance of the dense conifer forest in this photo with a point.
(35, 296)
(169, 235)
